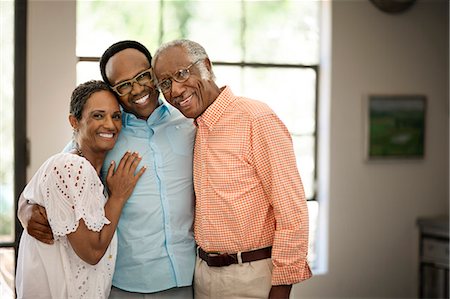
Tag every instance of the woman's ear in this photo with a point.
(73, 122)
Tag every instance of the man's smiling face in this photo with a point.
(191, 96)
(125, 65)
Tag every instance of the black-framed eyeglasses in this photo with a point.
(125, 87)
(179, 76)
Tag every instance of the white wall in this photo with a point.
(373, 207)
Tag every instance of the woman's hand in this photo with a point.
(89, 245)
(122, 181)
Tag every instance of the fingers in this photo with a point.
(43, 212)
(135, 162)
(140, 172)
(129, 162)
(123, 161)
(38, 226)
(39, 215)
(111, 169)
(40, 235)
(132, 162)
(40, 231)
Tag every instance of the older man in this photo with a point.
(251, 218)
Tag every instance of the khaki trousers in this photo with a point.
(247, 280)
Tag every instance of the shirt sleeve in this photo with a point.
(73, 191)
(20, 211)
(277, 169)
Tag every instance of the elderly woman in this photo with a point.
(82, 216)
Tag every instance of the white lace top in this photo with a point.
(69, 188)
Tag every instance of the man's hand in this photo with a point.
(38, 226)
(280, 292)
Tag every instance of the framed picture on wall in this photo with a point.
(395, 126)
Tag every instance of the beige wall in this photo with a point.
(51, 76)
(372, 207)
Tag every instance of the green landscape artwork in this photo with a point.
(396, 126)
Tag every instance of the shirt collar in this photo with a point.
(157, 115)
(214, 112)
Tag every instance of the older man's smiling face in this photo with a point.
(192, 96)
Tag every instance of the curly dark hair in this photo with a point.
(82, 93)
(120, 46)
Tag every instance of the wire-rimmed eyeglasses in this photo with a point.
(179, 76)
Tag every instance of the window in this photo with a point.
(266, 50)
(7, 211)
(12, 134)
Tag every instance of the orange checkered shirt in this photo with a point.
(249, 194)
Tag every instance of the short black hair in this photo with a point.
(117, 47)
(82, 93)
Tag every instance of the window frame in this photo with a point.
(317, 234)
(19, 121)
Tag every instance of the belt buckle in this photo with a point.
(224, 259)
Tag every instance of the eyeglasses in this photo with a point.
(179, 76)
(125, 87)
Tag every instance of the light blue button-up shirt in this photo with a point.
(156, 247)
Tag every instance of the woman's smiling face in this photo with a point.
(100, 123)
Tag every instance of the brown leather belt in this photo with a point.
(226, 259)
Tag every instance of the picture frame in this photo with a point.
(395, 126)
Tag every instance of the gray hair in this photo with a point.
(194, 51)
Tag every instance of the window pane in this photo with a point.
(304, 151)
(102, 23)
(257, 31)
(295, 106)
(7, 267)
(290, 92)
(219, 32)
(87, 70)
(231, 76)
(7, 123)
(282, 31)
(313, 213)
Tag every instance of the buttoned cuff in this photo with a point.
(290, 274)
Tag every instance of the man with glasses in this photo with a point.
(251, 218)
(156, 247)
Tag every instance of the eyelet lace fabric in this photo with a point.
(79, 194)
(69, 188)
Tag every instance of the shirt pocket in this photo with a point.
(181, 138)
